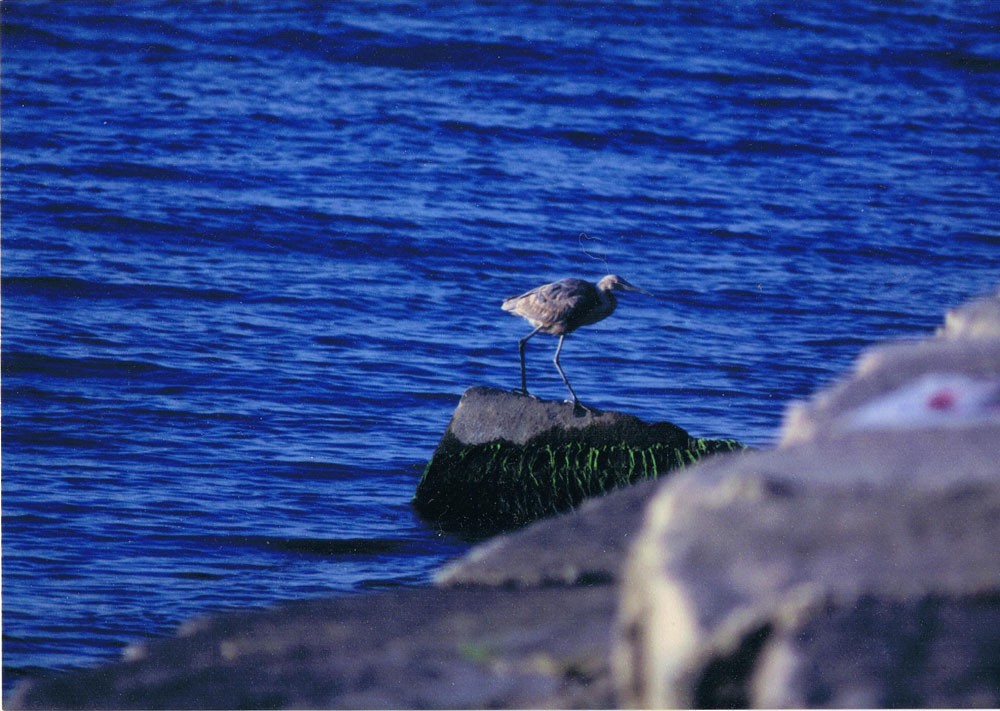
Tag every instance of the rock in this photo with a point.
(949, 381)
(427, 648)
(928, 384)
(585, 546)
(854, 566)
(979, 318)
(508, 459)
(741, 555)
(932, 651)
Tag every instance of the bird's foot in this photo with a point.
(579, 409)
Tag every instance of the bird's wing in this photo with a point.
(555, 302)
(540, 294)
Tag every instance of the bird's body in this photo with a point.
(562, 307)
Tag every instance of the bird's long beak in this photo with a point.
(627, 286)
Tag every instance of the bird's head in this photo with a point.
(613, 282)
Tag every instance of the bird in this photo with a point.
(561, 307)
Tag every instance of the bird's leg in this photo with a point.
(577, 405)
(520, 349)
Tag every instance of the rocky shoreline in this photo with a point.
(853, 565)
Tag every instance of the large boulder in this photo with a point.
(508, 459)
(952, 380)
(857, 565)
(740, 557)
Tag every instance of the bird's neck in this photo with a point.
(608, 301)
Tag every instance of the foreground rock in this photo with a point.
(585, 547)
(508, 459)
(740, 559)
(429, 648)
(949, 381)
(857, 566)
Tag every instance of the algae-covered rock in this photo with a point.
(507, 459)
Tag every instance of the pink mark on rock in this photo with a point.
(942, 400)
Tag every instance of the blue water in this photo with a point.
(253, 253)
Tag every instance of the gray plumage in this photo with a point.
(562, 307)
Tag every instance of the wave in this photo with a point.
(318, 546)
(621, 138)
(351, 44)
(58, 288)
(19, 362)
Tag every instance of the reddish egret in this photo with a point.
(562, 307)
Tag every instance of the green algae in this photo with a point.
(485, 488)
